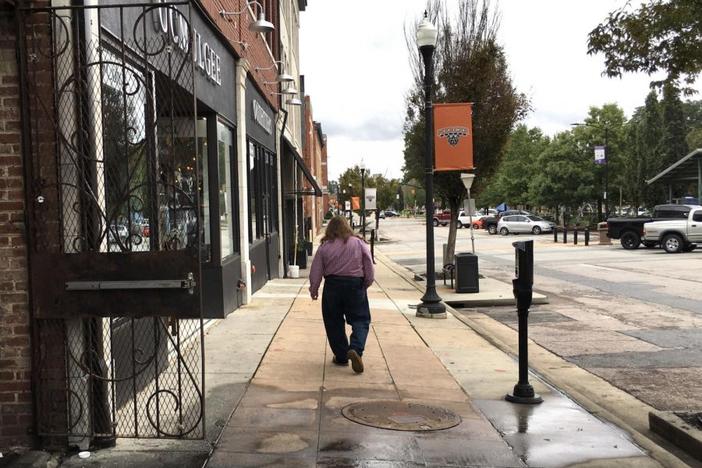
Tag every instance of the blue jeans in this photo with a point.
(345, 299)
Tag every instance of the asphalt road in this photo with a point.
(632, 317)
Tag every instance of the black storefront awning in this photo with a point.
(316, 189)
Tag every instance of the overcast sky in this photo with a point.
(356, 67)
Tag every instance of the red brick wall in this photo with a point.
(15, 371)
(236, 28)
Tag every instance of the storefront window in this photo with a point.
(263, 189)
(204, 189)
(226, 208)
(253, 186)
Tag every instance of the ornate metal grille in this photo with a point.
(115, 227)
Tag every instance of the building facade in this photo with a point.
(144, 188)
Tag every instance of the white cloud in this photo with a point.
(356, 68)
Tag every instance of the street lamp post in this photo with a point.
(363, 199)
(606, 161)
(431, 305)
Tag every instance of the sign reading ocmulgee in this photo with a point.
(174, 26)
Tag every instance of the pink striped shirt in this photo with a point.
(350, 258)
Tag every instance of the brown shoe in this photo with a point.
(356, 361)
(340, 363)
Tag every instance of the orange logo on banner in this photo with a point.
(453, 136)
(355, 203)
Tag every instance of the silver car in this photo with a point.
(523, 223)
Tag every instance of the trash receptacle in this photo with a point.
(602, 230)
(466, 273)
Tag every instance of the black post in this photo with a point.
(431, 305)
(373, 245)
(575, 236)
(587, 236)
(522, 288)
(555, 234)
(377, 220)
(565, 234)
(606, 181)
(363, 201)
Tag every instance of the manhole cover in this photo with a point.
(401, 416)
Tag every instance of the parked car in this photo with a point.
(490, 222)
(523, 223)
(629, 231)
(444, 218)
(676, 235)
(391, 213)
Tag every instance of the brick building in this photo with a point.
(15, 356)
(315, 156)
(166, 154)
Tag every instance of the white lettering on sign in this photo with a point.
(262, 118)
(174, 27)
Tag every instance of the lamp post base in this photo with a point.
(436, 310)
(524, 394)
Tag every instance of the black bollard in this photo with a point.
(587, 236)
(565, 234)
(373, 245)
(522, 288)
(575, 236)
(555, 234)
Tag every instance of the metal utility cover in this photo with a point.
(401, 416)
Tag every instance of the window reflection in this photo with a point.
(226, 210)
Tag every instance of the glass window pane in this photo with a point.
(226, 210)
(253, 234)
(204, 189)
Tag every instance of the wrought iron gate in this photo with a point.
(114, 216)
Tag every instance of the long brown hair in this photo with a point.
(338, 228)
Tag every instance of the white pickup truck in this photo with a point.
(676, 235)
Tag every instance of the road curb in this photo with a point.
(673, 428)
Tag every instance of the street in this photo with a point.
(630, 317)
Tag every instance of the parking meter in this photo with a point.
(522, 285)
(523, 282)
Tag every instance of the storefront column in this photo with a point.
(281, 229)
(242, 69)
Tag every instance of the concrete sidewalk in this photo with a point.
(290, 414)
(273, 398)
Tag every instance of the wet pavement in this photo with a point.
(291, 413)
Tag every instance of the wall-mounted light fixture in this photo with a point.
(282, 76)
(294, 101)
(261, 25)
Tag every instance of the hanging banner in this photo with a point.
(371, 199)
(355, 203)
(453, 136)
(600, 156)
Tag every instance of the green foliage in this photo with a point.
(674, 126)
(661, 35)
(349, 185)
(519, 166)
(565, 177)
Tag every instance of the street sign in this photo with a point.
(469, 206)
(600, 156)
(371, 198)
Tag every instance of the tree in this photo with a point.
(644, 152)
(661, 35)
(565, 179)
(511, 181)
(674, 126)
(470, 67)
